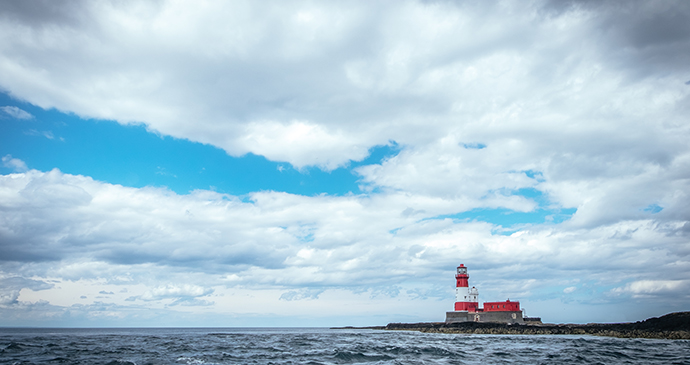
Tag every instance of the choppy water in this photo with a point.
(321, 346)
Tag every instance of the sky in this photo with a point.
(304, 163)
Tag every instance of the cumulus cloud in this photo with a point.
(302, 144)
(668, 289)
(81, 230)
(319, 84)
(16, 113)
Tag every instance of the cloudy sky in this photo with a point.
(303, 163)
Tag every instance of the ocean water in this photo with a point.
(321, 346)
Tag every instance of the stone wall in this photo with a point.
(498, 317)
(460, 316)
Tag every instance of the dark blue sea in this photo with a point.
(321, 346)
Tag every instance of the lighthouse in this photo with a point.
(467, 304)
(466, 299)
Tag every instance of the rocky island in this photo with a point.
(674, 326)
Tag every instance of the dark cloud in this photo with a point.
(648, 37)
(43, 13)
(25, 249)
(18, 283)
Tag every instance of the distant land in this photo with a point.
(673, 326)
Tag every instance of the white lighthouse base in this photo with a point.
(494, 316)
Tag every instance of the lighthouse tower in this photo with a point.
(466, 299)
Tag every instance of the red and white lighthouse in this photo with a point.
(467, 305)
(466, 299)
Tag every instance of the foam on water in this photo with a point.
(321, 346)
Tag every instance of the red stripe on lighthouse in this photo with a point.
(465, 298)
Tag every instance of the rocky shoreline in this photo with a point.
(673, 326)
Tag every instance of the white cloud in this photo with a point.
(46, 134)
(302, 144)
(17, 113)
(175, 292)
(14, 163)
(88, 233)
(655, 288)
(448, 170)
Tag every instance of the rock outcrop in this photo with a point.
(673, 326)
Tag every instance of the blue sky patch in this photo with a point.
(536, 175)
(653, 208)
(130, 155)
(506, 218)
(473, 146)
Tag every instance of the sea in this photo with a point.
(140, 346)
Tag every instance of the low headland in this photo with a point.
(673, 326)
